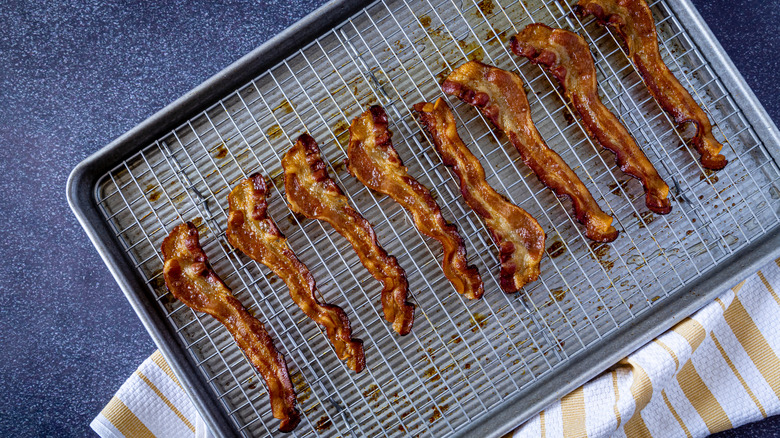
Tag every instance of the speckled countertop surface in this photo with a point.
(74, 75)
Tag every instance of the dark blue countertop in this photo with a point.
(74, 75)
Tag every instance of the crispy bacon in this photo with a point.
(190, 279)
(312, 193)
(374, 161)
(254, 233)
(633, 20)
(519, 237)
(567, 57)
(500, 96)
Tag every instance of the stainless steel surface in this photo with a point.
(463, 359)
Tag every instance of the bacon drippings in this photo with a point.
(312, 193)
(519, 237)
(500, 96)
(254, 233)
(190, 279)
(633, 21)
(374, 161)
(567, 57)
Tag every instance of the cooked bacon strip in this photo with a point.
(374, 161)
(312, 193)
(519, 237)
(254, 233)
(566, 55)
(190, 279)
(500, 96)
(633, 20)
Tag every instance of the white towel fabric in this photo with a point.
(718, 369)
(714, 371)
(151, 403)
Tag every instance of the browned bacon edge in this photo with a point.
(311, 192)
(633, 20)
(567, 57)
(374, 161)
(189, 278)
(254, 233)
(519, 237)
(500, 96)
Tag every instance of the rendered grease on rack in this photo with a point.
(254, 233)
(633, 20)
(519, 237)
(500, 96)
(311, 192)
(567, 56)
(189, 278)
(374, 161)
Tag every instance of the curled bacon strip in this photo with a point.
(312, 193)
(519, 237)
(567, 56)
(254, 233)
(374, 161)
(633, 20)
(190, 279)
(500, 96)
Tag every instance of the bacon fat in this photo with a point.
(254, 233)
(519, 237)
(374, 161)
(189, 278)
(500, 96)
(567, 57)
(633, 20)
(311, 192)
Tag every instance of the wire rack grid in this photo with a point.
(463, 358)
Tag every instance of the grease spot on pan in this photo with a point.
(486, 6)
(556, 249)
(221, 151)
(152, 194)
(274, 132)
(323, 423)
(284, 107)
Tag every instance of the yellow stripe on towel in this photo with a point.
(158, 359)
(739, 376)
(125, 421)
(616, 390)
(165, 400)
(769, 287)
(754, 343)
(573, 413)
(670, 352)
(642, 391)
(702, 399)
(692, 331)
(676, 415)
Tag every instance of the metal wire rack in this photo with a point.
(462, 358)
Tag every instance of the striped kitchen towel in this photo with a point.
(717, 369)
(151, 403)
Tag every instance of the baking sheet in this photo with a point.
(465, 361)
